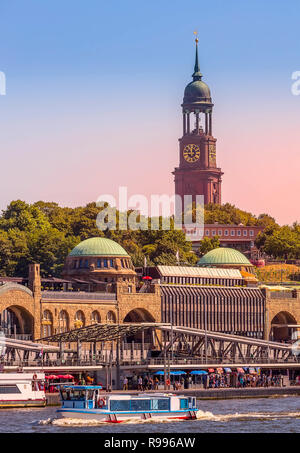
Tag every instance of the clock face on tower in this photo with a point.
(191, 153)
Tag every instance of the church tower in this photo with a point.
(198, 173)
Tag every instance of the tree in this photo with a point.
(208, 244)
(282, 242)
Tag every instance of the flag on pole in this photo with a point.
(145, 261)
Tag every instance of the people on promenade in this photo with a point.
(211, 380)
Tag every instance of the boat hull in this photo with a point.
(25, 403)
(119, 417)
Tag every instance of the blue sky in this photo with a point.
(94, 91)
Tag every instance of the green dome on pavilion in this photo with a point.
(98, 247)
(223, 256)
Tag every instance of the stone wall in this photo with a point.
(288, 306)
(21, 301)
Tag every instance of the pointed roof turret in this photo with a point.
(197, 74)
(196, 93)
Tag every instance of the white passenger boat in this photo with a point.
(22, 390)
(87, 402)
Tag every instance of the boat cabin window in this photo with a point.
(140, 404)
(9, 389)
(120, 405)
(73, 395)
(184, 403)
(192, 402)
(161, 404)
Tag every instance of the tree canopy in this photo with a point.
(45, 232)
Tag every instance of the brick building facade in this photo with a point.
(217, 299)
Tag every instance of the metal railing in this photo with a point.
(78, 295)
(20, 336)
(159, 361)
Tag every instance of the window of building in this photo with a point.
(111, 317)
(214, 233)
(251, 233)
(105, 263)
(63, 321)
(226, 233)
(98, 262)
(79, 319)
(86, 264)
(80, 264)
(232, 233)
(245, 232)
(219, 232)
(239, 232)
(95, 318)
(207, 232)
(111, 263)
(47, 323)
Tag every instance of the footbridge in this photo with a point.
(145, 346)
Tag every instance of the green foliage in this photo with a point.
(228, 214)
(280, 242)
(27, 235)
(208, 244)
(44, 232)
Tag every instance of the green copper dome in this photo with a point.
(223, 256)
(196, 91)
(98, 247)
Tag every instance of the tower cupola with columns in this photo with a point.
(198, 173)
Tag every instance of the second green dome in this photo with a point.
(223, 256)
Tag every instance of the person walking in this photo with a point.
(125, 383)
(168, 383)
(140, 383)
(151, 384)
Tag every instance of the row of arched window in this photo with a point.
(79, 320)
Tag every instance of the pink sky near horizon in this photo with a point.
(94, 93)
(75, 156)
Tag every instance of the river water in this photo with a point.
(261, 415)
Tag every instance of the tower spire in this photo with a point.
(197, 74)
